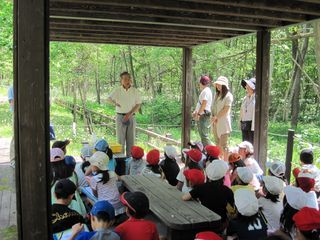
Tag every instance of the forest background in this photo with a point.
(86, 74)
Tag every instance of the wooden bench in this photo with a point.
(182, 218)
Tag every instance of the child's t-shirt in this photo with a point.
(137, 229)
(182, 178)
(171, 170)
(256, 229)
(136, 166)
(101, 234)
(147, 171)
(214, 196)
(272, 211)
(251, 163)
(108, 191)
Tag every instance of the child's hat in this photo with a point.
(245, 174)
(195, 155)
(101, 145)
(207, 236)
(138, 202)
(212, 151)
(246, 145)
(56, 155)
(298, 199)
(204, 80)
(216, 169)
(307, 219)
(137, 152)
(277, 168)
(60, 144)
(86, 151)
(306, 180)
(234, 157)
(170, 151)
(273, 184)
(195, 176)
(246, 202)
(100, 160)
(65, 187)
(197, 145)
(69, 160)
(103, 206)
(306, 155)
(153, 157)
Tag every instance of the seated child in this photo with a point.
(249, 223)
(136, 164)
(86, 153)
(102, 146)
(62, 145)
(199, 146)
(169, 165)
(246, 153)
(153, 168)
(277, 169)
(243, 179)
(213, 153)
(235, 161)
(206, 192)
(307, 224)
(102, 218)
(136, 227)
(104, 182)
(63, 217)
(194, 177)
(271, 204)
(192, 159)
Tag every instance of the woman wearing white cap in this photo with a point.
(247, 110)
(221, 109)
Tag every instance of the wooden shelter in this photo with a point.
(170, 23)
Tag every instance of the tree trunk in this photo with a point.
(131, 67)
(125, 59)
(299, 55)
(86, 118)
(97, 80)
(150, 78)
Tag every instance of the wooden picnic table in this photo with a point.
(182, 218)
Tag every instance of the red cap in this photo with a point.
(204, 80)
(153, 157)
(234, 157)
(296, 172)
(195, 155)
(212, 151)
(137, 152)
(307, 219)
(195, 176)
(207, 236)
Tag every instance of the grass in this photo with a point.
(9, 233)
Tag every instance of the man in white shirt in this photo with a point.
(202, 113)
(127, 101)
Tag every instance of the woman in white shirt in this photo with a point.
(221, 109)
(202, 113)
(247, 110)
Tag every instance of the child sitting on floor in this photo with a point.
(169, 165)
(102, 146)
(213, 153)
(104, 182)
(153, 168)
(102, 218)
(194, 177)
(277, 169)
(136, 227)
(243, 179)
(136, 163)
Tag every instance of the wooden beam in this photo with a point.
(186, 96)
(262, 96)
(148, 27)
(31, 115)
(181, 6)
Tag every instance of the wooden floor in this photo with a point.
(8, 217)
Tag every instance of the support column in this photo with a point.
(262, 96)
(31, 116)
(186, 96)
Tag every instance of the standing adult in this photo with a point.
(247, 110)
(11, 103)
(127, 100)
(221, 109)
(202, 112)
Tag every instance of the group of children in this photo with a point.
(251, 205)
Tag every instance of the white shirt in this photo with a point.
(248, 108)
(182, 178)
(272, 212)
(251, 163)
(205, 94)
(126, 98)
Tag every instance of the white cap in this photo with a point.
(170, 151)
(251, 83)
(217, 169)
(222, 81)
(298, 199)
(246, 202)
(245, 174)
(247, 145)
(100, 160)
(273, 184)
(277, 168)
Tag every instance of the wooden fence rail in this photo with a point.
(105, 119)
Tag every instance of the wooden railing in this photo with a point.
(109, 122)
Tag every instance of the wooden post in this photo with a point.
(186, 96)
(262, 97)
(31, 116)
(289, 153)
